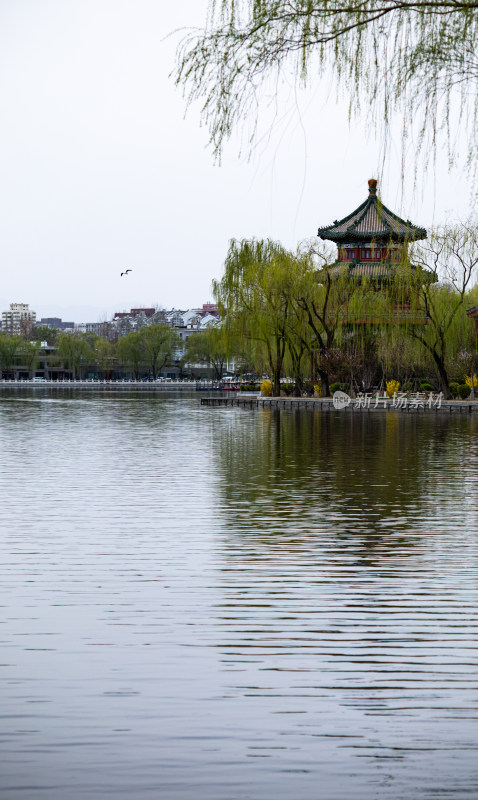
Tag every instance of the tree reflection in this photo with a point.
(391, 475)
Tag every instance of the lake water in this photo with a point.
(220, 604)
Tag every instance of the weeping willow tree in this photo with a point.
(285, 306)
(9, 346)
(282, 311)
(28, 354)
(75, 351)
(160, 344)
(418, 321)
(255, 299)
(130, 352)
(208, 347)
(452, 253)
(417, 57)
(105, 358)
(310, 331)
(323, 298)
(403, 358)
(301, 346)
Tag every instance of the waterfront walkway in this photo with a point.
(326, 404)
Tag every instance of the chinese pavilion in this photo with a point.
(372, 245)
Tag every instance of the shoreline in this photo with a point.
(220, 398)
(326, 404)
(120, 386)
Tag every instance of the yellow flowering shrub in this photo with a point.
(392, 387)
(266, 388)
(471, 381)
(318, 390)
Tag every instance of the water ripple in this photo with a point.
(218, 603)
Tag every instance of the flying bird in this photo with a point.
(125, 272)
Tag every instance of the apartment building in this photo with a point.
(19, 320)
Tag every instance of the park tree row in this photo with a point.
(144, 351)
(137, 353)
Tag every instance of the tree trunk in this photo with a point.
(276, 368)
(218, 369)
(298, 386)
(276, 383)
(298, 379)
(324, 379)
(443, 375)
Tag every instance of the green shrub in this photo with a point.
(464, 391)
(454, 389)
(249, 387)
(426, 387)
(336, 387)
(287, 388)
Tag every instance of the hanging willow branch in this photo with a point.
(418, 58)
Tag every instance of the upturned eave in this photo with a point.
(376, 271)
(390, 227)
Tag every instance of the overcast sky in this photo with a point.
(100, 171)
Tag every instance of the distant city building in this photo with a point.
(148, 312)
(56, 322)
(89, 327)
(210, 308)
(123, 322)
(175, 317)
(135, 312)
(192, 319)
(209, 321)
(19, 320)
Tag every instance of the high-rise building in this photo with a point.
(19, 320)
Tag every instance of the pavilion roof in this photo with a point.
(372, 221)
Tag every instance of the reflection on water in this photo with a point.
(219, 603)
